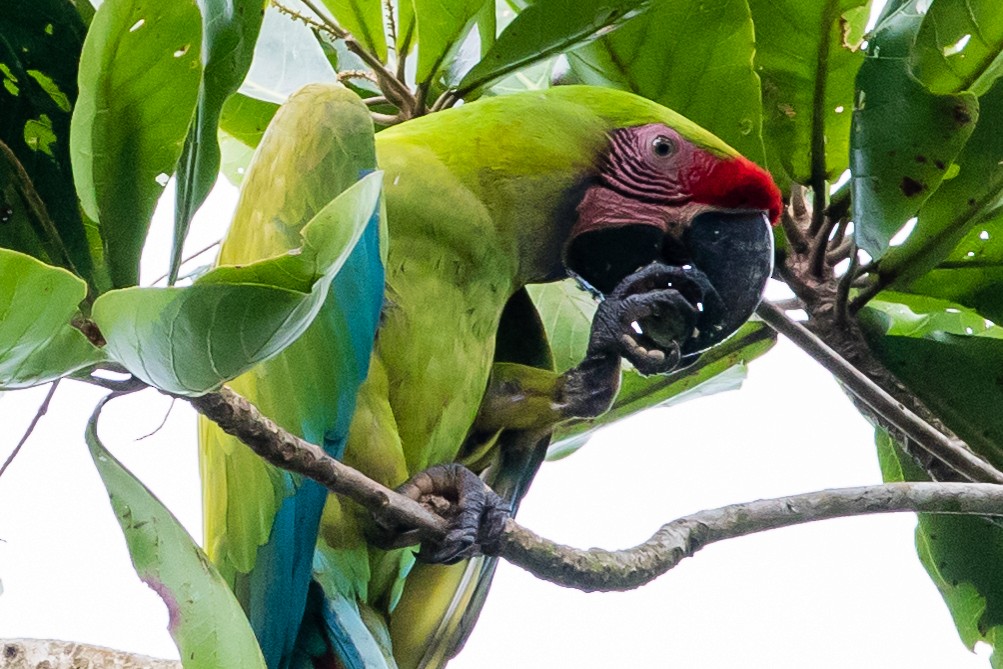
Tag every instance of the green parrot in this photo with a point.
(429, 352)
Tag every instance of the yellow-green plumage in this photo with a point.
(477, 204)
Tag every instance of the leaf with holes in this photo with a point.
(959, 46)
(961, 226)
(37, 304)
(139, 73)
(204, 618)
(904, 138)
(192, 340)
(807, 55)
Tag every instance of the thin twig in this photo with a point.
(191, 257)
(344, 75)
(392, 87)
(163, 422)
(950, 451)
(867, 294)
(388, 8)
(845, 282)
(42, 409)
(820, 247)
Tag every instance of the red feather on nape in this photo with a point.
(736, 183)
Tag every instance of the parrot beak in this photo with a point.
(735, 252)
(724, 258)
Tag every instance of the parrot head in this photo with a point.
(660, 197)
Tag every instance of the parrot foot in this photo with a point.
(475, 514)
(650, 315)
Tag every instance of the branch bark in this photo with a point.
(594, 569)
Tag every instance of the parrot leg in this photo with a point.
(649, 314)
(475, 514)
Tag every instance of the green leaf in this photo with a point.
(204, 618)
(960, 221)
(543, 30)
(807, 55)
(962, 555)
(707, 77)
(566, 311)
(37, 342)
(441, 25)
(40, 43)
(230, 29)
(364, 19)
(904, 138)
(959, 377)
(959, 46)
(245, 118)
(720, 369)
(139, 73)
(192, 340)
(909, 315)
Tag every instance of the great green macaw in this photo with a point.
(446, 361)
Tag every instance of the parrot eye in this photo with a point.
(663, 147)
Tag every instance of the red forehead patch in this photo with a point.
(736, 183)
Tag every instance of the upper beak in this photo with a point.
(734, 250)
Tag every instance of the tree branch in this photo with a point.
(594, 569)
(601, 570)
(235, 415)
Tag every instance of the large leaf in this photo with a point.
(364, 20)
(707, 77)
(139, 73)
(230, 29)
(958, 377)
(904, 138)
(959, 46)
(204, 618)
(191, 340)
(720, 369)
(37, 303)
(962, 554)
(40, 42)
(542, 30)
(441, 24)
(962, 222)
(807, 55)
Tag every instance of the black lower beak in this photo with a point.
(734, 250)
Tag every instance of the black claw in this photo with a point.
(651, 314)
(475, 514)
